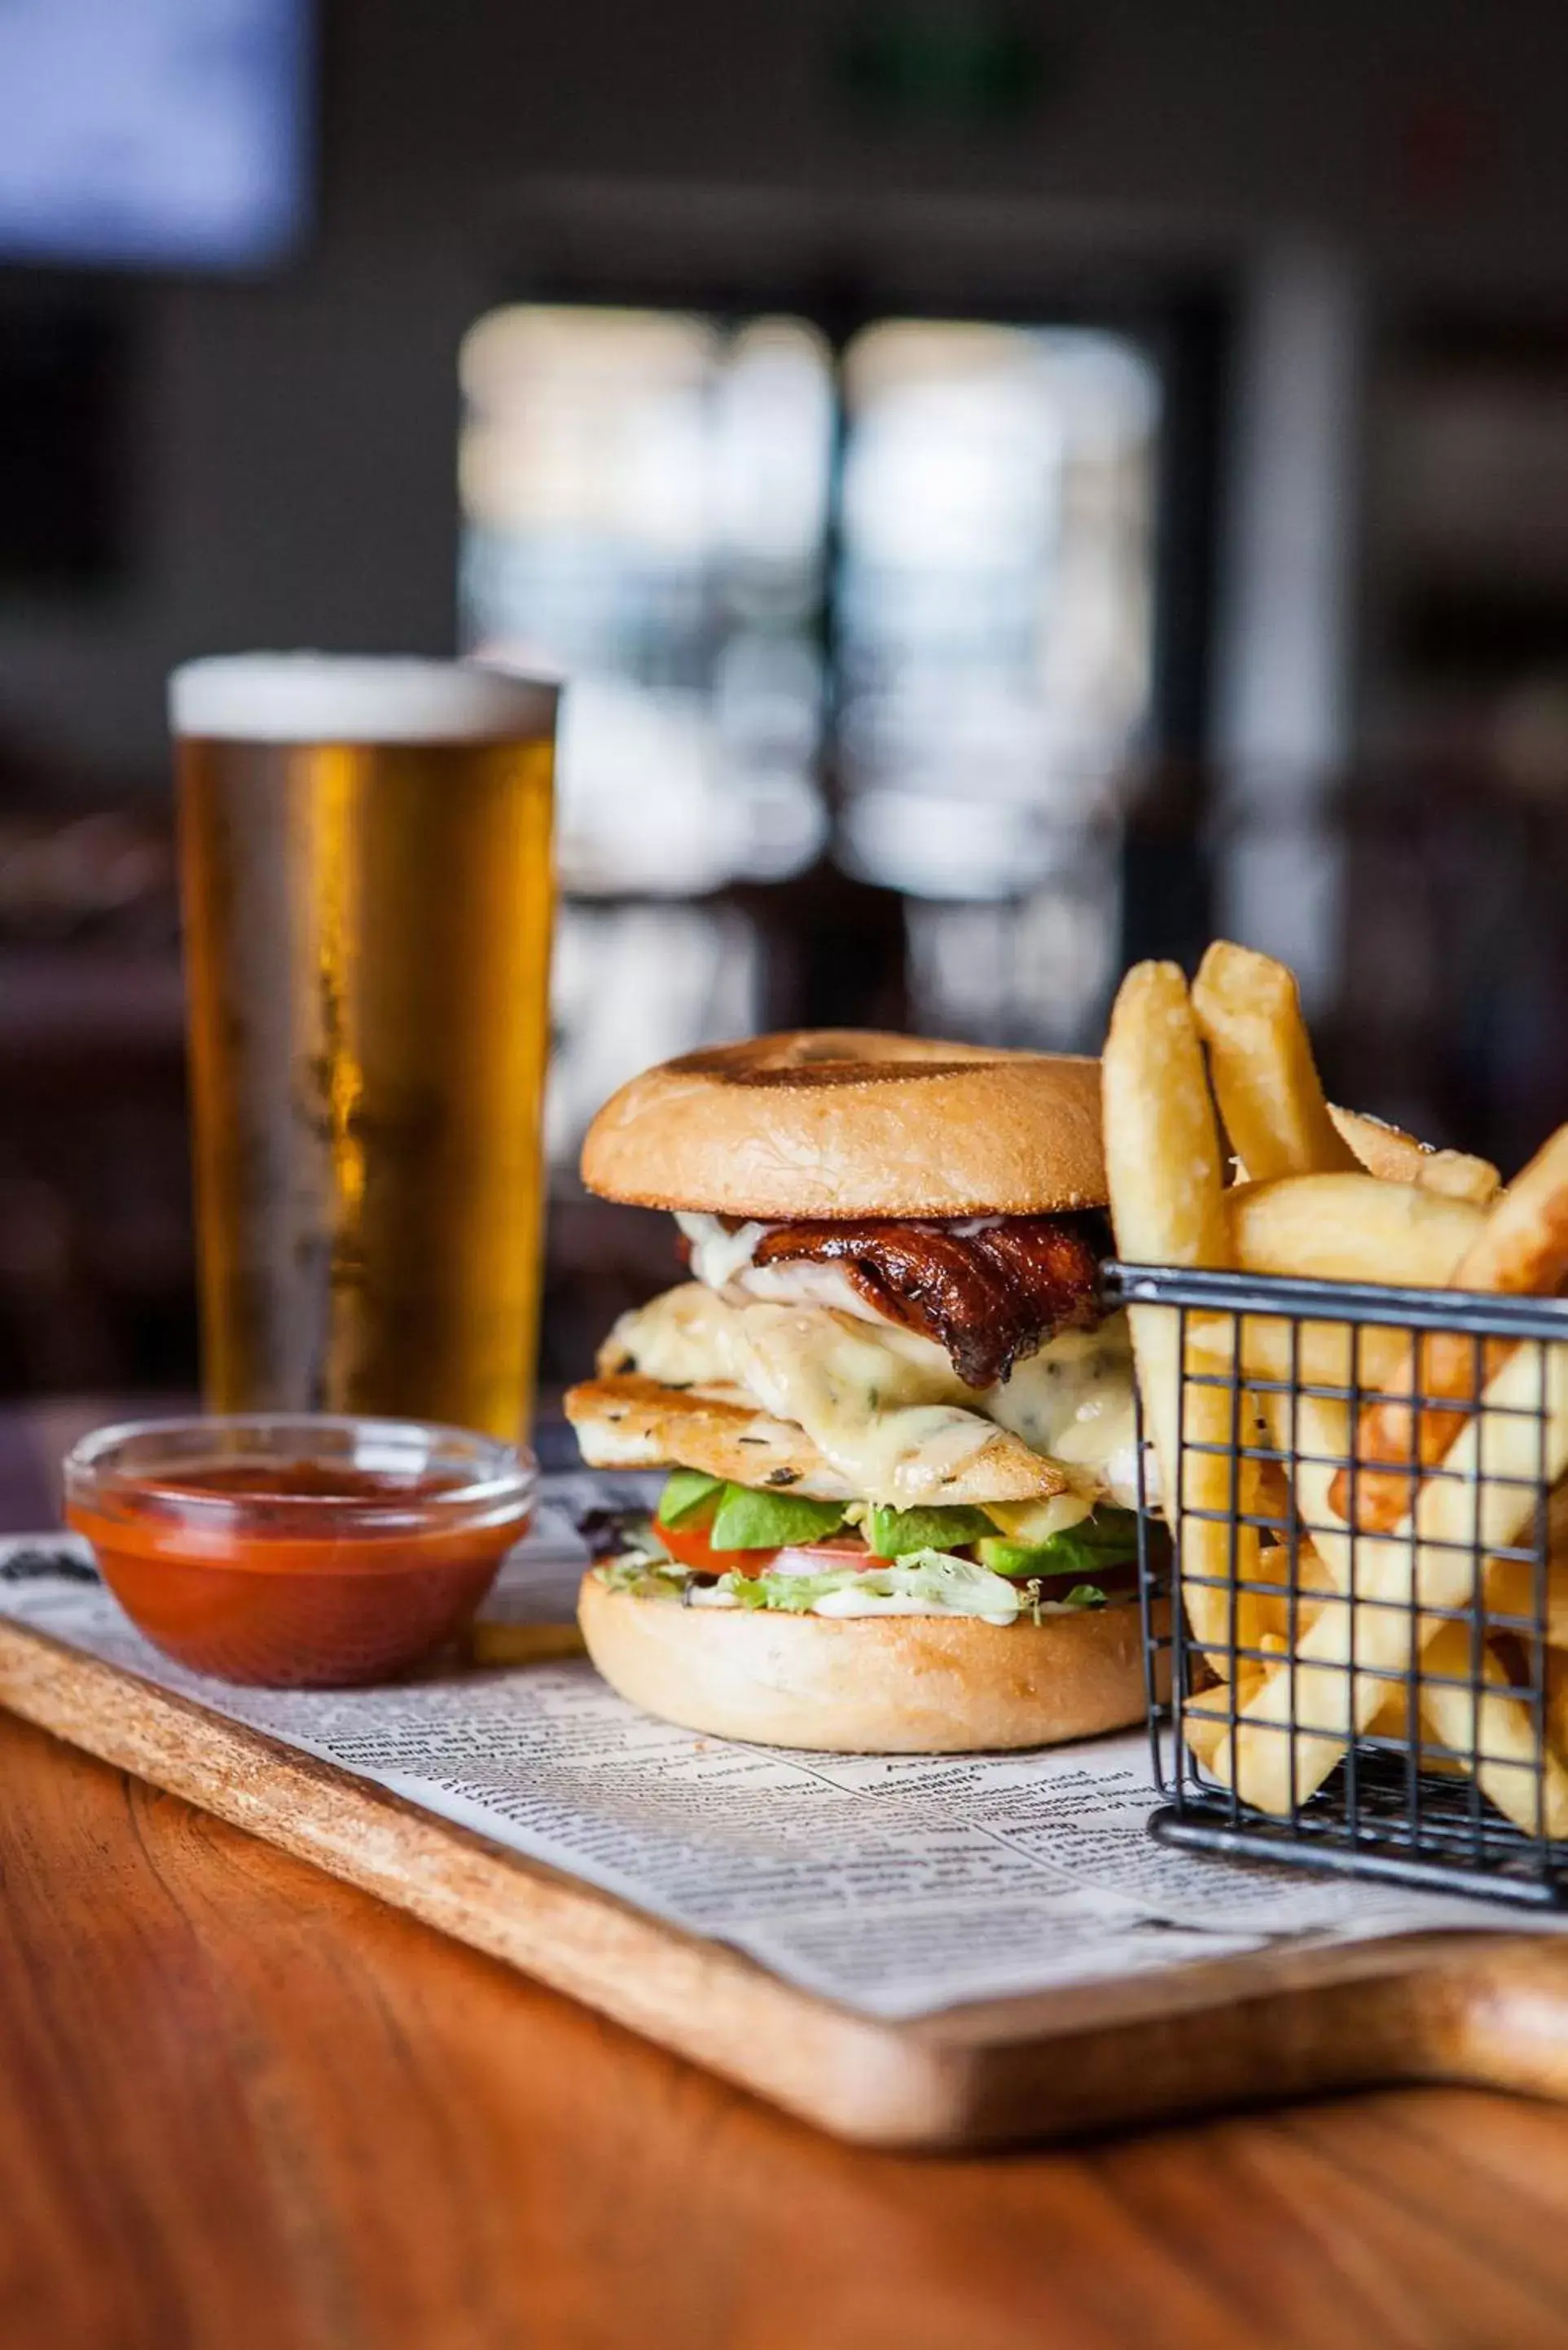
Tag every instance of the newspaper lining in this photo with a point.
(895, 1884)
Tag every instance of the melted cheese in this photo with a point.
(1074, 1399)
(883, 1404)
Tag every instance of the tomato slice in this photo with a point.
(690, 1544)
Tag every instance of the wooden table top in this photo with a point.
(241, 2103)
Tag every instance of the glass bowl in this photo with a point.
(295, 1552)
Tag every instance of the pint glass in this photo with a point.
(365, 883)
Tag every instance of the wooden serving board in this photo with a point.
(1481, 2008)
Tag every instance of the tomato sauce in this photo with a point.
(296, 1570)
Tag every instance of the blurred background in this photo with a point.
(1016, 486)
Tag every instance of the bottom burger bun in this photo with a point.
(870, 1685)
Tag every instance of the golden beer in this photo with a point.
(367, 888)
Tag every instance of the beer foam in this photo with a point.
(342, 698)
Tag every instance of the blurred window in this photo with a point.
(993, 594)
(890, 597)
(646, 496)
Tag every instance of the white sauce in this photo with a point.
(802, 1282)
(722, 1261)
(719, 1257)
(847, 1601)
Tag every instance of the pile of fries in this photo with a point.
(1339, 1494)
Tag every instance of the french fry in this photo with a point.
(1478, 1499)
(1520, 1249)
(1311, 1432)
(1162, 1145)
(1300, 1430)
(1340, 1629)
(1491, 1733)
(1165, 1173)
(1322, 1354)
(1316, 1433)
(1459, 1177)
(1217, 1549)
(1510, 1591)
(1206, 1719)
(1557, 1702)
(1351, 1228)
(1511, 1586)
(1208, 1716)
(1388, 1152)
(1248, 1013)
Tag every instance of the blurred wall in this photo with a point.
(293, 438)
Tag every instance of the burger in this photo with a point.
(897, 1422)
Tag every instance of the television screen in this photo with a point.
(165, 133)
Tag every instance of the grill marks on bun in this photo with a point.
(828, 1056)
(837, 1124)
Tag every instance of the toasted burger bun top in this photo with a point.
(869, 1684)
(844, 1122)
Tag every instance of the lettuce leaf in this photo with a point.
(954, 1587)
(792, 1594)
(644, 1577)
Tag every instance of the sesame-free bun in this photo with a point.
(869, 1684)
(844, 1122)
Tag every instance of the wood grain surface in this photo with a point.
(241, 2103)
(1484, 2009)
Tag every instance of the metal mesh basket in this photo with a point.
(1381, 1703)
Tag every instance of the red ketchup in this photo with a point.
(297, 1553)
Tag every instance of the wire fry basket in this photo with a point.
(1345, 1693)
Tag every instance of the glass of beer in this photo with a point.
(367, 889)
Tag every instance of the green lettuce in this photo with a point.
(794, 1595)
(644, 1577)
(956, 1585)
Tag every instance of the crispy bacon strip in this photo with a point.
(989, 1295)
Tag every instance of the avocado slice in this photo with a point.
(895, 1533)
(685, 1492)
(1108, 1539)
(748, 1520)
